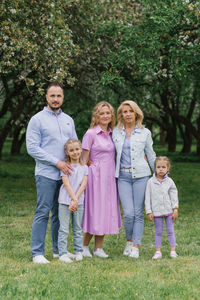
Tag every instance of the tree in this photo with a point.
(36, 46)
(159, 56)
(45, 40)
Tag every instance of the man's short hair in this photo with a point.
(54, 83)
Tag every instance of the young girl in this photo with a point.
(70, 200)
(161, 202)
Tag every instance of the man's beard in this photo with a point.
(54, 108)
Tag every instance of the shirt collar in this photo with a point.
(52, 112)
(136, 129)
(99, 130)
(156, 179)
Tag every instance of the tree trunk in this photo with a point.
(9, 124)
(17, 141)
(4, 133)
(198, 147)
(171, 138)
(187, 139)
(198, 138)
(162, 137)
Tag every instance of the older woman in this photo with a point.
(133, 145)
(101, 207)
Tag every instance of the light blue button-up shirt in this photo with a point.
(46, 136)
(125, 161)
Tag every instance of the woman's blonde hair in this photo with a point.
(66, 147)
(139, 114)
(165, 159)
(95, 114)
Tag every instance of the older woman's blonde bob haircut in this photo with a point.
(139, 114)
(96, 112)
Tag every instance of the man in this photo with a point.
(46, 135)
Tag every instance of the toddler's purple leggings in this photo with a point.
(158, 221)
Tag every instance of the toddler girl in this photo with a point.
(161, 202)
(70, 200)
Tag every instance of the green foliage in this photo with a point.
(157, 55)
(111, 50)
(162, 45)
(36, 42)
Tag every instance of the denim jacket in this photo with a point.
(141, 144)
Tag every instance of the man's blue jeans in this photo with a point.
(64, 217)
(47, 200)
(132, 194)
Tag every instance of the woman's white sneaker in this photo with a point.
(127, 250)
(100, 253)
(86, 252)
(40, 259)
(134, 252)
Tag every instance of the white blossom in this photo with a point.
(13, 10)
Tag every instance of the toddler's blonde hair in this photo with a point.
(164, 158)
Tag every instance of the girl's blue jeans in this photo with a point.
(47, 200)
(64, 217)
(132, 194)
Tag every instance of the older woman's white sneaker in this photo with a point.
(134, 252)
(40, 259)
(127, 250)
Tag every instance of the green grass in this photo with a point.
(118, 277)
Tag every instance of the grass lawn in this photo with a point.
(117, 277)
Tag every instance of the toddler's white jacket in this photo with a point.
(160, 198)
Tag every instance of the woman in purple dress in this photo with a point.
(101, 207)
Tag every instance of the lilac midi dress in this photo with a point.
(101, 206)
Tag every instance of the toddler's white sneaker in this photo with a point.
(157, 255)
(86, 252)
(79, 256)
(100, 253)
(127, 250)
(65, 258)
(40, 259)
(134, 252)
(173, 254)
